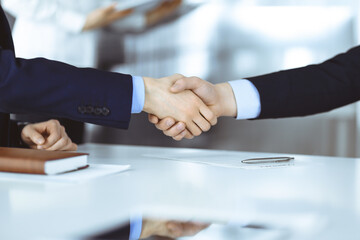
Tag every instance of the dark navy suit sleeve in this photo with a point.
(41, 86)
(311, 89)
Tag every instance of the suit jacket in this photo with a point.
(45, 87)
(311, 89)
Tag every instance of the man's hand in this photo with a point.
(103, 17)
(220, 99)
(49, 135)
(183, 106)
(164, 10)
(170, 229)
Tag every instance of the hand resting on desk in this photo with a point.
(49, 135)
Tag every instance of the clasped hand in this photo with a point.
(191, 105)
(184, 106)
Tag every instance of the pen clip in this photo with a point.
(267, 160)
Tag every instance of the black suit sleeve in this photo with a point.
(311, 89)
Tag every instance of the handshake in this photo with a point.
(184, 107)
(181, 107)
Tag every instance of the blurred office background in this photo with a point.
(222, 40)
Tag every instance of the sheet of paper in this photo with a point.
(93, 171)
(227, 160)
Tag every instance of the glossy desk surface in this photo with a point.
(314, 197)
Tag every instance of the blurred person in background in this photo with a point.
(68, 31)
(72, 32)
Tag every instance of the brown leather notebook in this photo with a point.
(33, 161)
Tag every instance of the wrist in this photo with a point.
(148, 85)
(144, 230)
(227, 102)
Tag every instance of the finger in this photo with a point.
(202, 123)
(30, 133)
(175, 229)
(193, 128)
(181, 229)
(53, 131)
(175, 129)
(54, 134)
(180, 136)
(190, 229)
(69, 147)
(165, 124)
(153, 119)
(188, 135)
(189, 83)
(208, 115)
(62, 143)
(202, 226)
(73, 147)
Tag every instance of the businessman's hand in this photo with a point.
(170, 229)
(49, 135)
(103, 17)
(183, 105)
(220, 99)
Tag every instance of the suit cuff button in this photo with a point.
(105, 111)
(98, 111)
(89, 109)
(81, 109)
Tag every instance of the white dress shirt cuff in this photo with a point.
(247, 99)
(138, 97)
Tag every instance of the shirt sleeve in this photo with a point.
(138, 97)
(135, 227)
(247, 99)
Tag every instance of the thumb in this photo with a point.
(34, 136)
(153, 119)
(179, 86)
(190, 83)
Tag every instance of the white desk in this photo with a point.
(317, 197)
